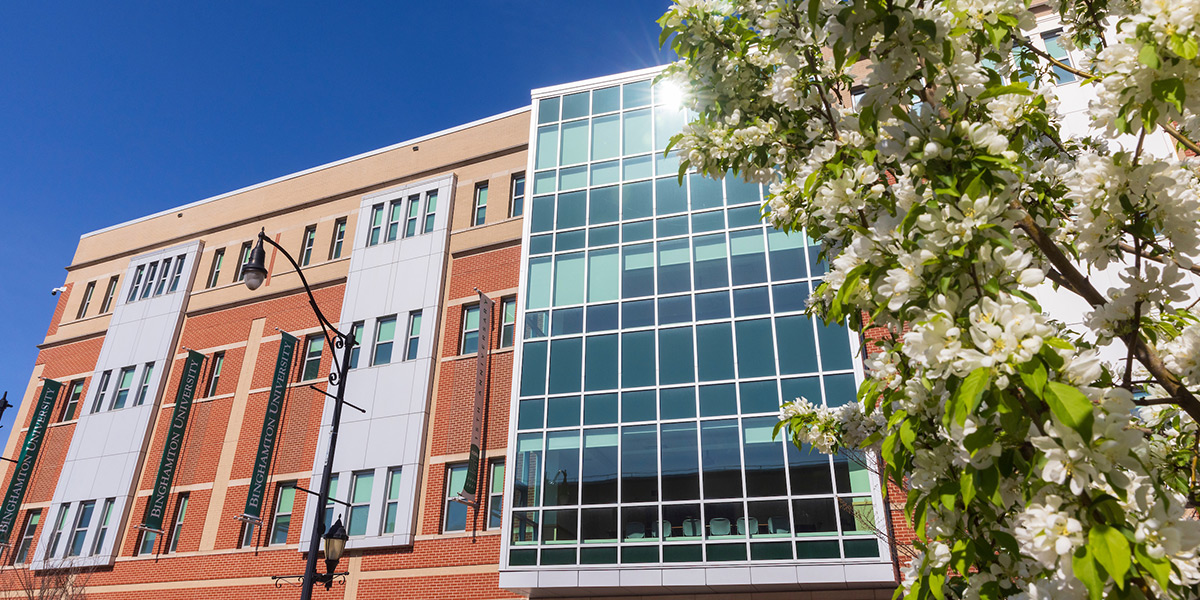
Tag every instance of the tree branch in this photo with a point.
(1079, 284)
(1154, 257)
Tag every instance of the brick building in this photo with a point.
(643, 335)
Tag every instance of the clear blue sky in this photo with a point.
(114, 110)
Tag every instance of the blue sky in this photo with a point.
(111, 111)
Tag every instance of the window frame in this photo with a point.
(338, 240)
(214, 374)
(148, 284)
(79, 528)
(137, 282)
(413, 216)
(375, 229)
(390, 342)
(356, 330)
(452, 496)
(466, 313)
(74, 394)
(308, 240)
(508, 328)
(102, 532)
(355, 480)
(479, 205)
(178, 273)
(214, 269)
(161, 285)
(33, 518)
(181, 506)
(429, 211)
(244, 259)
(277, 514)
(412, 339)
(307, 358)
(110, 294)
(395, 216)
(144, 386)
(130, 370)
(101, 391)
(516, 193)
(495, 499)
(87, 300)
(391, 505)
(56, 534)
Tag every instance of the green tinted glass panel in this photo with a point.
(533, 369)
(363, 483)
(716, 400)
(797, 348)
(600, 409)
(726, 552)
(862, 548)
(637, 359)
(748, 259)
(755, 348)
(771, 551)
(639, 167)
(818, 549)
(287, 497)
(547, 147)
(759, 396)
(522, 558)
(562, 412)
(675, 356)
(566, 365)
(529, 414)
(636, 130)
(636, 94)
(706, 192)
(544, 182)
(637, 272)
(711, 268)
(568, 279)
(604, 206)
(597, 556)
(672, 198)
(542, 215)
(683, 553)
(606, 134)
(606, 100)
(575, 105)
(677, 403)
(639, 554)
(600, 372)
(574, 143)
(674, 266)
(572, 178)
(603, 269)
(715, 359)
(636, 200)
(606, 172)
(548, 110)
(538, 295)
(835, 347)
(637, 406)
(572, 209)
(840, 389)
(739, 192)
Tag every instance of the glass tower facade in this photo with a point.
(661, 325)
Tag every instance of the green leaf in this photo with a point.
(1187, 48)
(968, 491)
(814, 11)
(970, 391)
(1111, 549)
(1020, 88)
(1160, 568)
(1170, 91)
(1087, 571)
(907, 435)
(1070, 407)
(937, 585)
(1148, 56)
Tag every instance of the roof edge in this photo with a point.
(311, 170)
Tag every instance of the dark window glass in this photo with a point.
(684, 522)
(637, 359)
(600, 372)
(708, 221)
(566, 321)
(790, 297)
(637, 406)
(604, 206)
(751, 301)
(716, 400)
(677, 403)
(542, 215)
(560, 526)
(835, 347)
(562, 412)
(744, 216)
(672, 226)
(602, 317)
(759, 396)
(840, 389)
(706, 192)
(725, 520)
(600, 409)
(639, 463)
(548, 110)
(709, 255)
(814, 516)
(809, 470)
(575, 105)
(674, 267)
(636, 232)
(598, 525)
(637, 271)
(713, 305)
(637, 314)
(787, 255)
(599, 466)
(755, 348)
(715, 360)
(721, 458)
(571, 240)
(680, 465)
(675, 356)
(672, 197)
(533, 369)
(677, 309)
(772, 519)
(748, 256)
(640, 523)
(572, 208)
(541, 244)
(529, 414)
(764, 458)
(636, 201)
(566, 364)
(636, 94)
(740, 192)
(603, 236)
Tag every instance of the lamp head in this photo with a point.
(255, 271)
(335, 544)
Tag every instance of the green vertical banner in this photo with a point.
(29, 453)
(470, 486)
(156, 507)
(270, 429)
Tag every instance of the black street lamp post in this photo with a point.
(254, 273)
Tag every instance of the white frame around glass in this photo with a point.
(109, 294)
(214, 374)
(479, 206)
(358, 514)
(338, 240)
(306, 246)
(137, 282)
(102, 532)
(74, 394)
(60, 522)
(144, 388)
(412, 338)
(87, 300)
(181, 505)
(391, 501)
(243, 261)
(516, 195)
(379, 342)
(451, 497)
(177, 274)
(214, 269)
(101, 391)
(32, 519)
(308, 359)
(282, 490)
(127, 382)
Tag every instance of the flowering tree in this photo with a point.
(944, 202)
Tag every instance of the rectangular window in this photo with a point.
(105, 518)
(147, 373)
(356, 333)
(339, 236)
(163, 277)
(385, 333)
(1055, 49)
(393, 501)
(244, 258)
(495, 500)
(214, 374)
(518, 195)
(395, 215)
(178, 274)
(214, 272)
(73, 394)
(180, 512)
(481, 193)
(146, 544)
(246, 537)
(360, 502)
(101, 390)
(306, 248)
(508, 321)
(470, 330)
(414, 335)
(376, 225)
(430, 211)
(31, 522)
(455, 512)
(333, 484)
(87, 299)
(83, 520)
(59, 522)
(124, 383)
(148, 285)
(109, 294)
(414, 215)
(281, 521)
(310, 367)
(137, 282)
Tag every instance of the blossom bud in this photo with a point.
(1031, 277)
(932, 149)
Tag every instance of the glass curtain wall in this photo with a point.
(662, 325)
